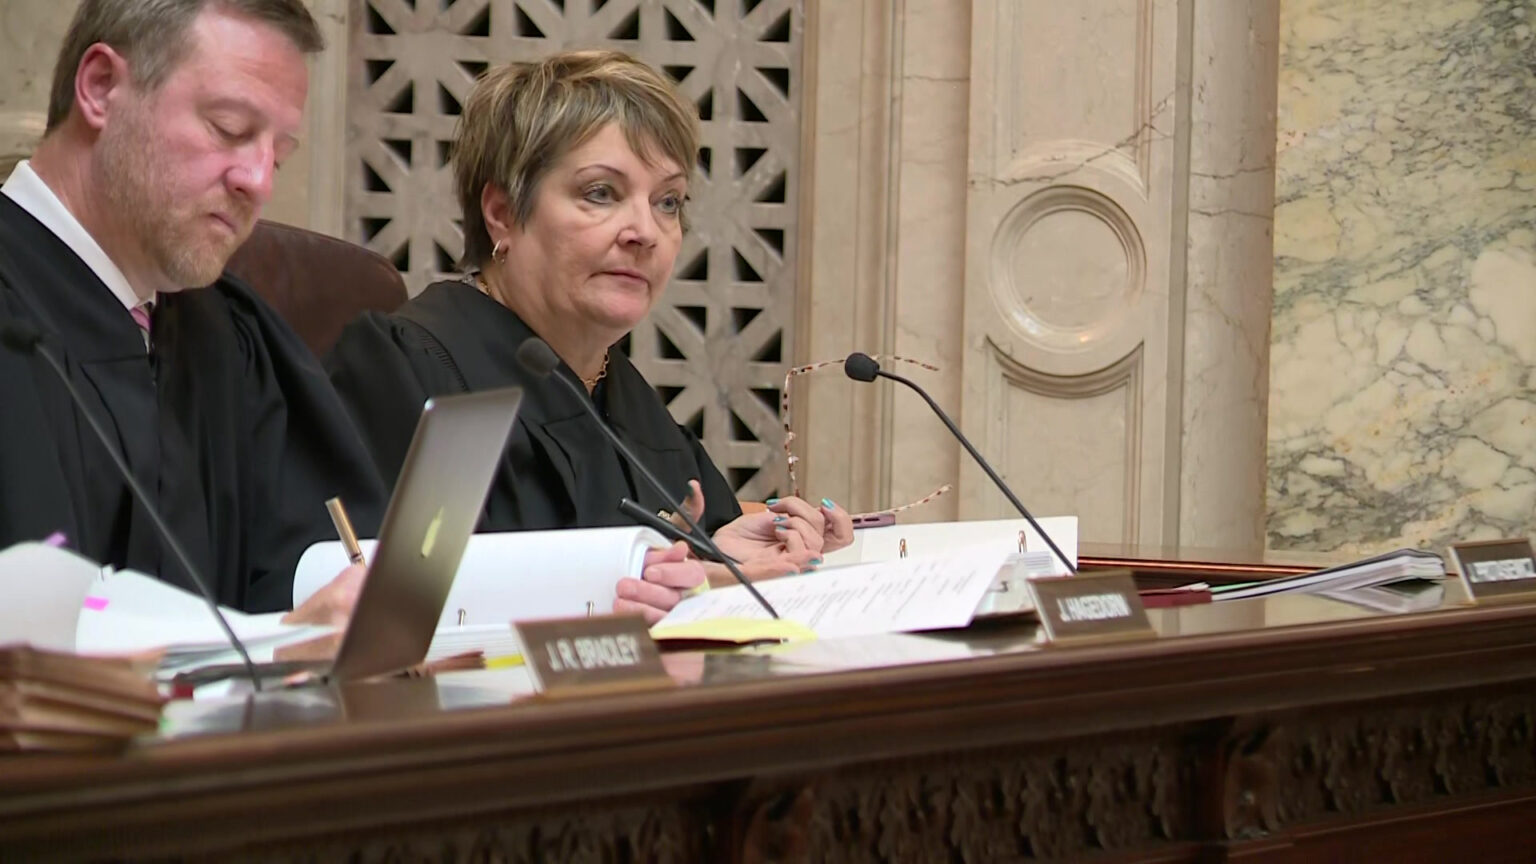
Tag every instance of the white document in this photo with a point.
(127, 612)
(41, 590)
(905, 595)
(517, 575)
(939, 538)
(59, 600)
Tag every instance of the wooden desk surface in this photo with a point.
(1157, 566)
(1273, 728)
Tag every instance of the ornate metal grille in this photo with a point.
(717, 345)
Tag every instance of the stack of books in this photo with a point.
(58, 702)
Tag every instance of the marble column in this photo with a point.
(883, 232)
(1227, 297)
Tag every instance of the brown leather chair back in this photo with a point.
(318, 284)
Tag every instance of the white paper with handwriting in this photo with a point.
(905, 595)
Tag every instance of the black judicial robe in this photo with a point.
(558, 470)
(229, 423)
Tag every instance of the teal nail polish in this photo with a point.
(815, 561)
(772, 501)
(827, 503)
(781, 518)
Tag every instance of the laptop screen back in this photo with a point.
(437, 501)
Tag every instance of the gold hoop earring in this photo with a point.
(499, 251)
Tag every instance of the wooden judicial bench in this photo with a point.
(1284, 729)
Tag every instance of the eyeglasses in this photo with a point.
(790, 459)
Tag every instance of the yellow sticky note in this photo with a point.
(736, 631)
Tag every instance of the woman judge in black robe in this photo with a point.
(571, 174)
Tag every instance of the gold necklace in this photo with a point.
(591, 383)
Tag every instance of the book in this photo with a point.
(52, 701)
(1366, 573)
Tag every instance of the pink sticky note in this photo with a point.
(95, 604)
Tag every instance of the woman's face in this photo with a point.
(605, 229)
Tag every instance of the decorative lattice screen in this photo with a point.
(717, 345)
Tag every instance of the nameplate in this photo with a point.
(587, 656)
(1098, 607)
(1496, 570)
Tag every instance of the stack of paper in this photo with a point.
(1402, 596)
(1367, 573)
(51, 701)
(129, 613)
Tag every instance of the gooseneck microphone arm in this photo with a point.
(27, 340)
(669, 531)
(540, 360)
(862, 367)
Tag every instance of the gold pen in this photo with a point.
(344, 530)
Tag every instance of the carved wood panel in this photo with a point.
(717, 344)
(1297, 770)
(1145, 792)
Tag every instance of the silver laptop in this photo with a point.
(437, 501)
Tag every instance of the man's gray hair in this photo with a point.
(153, 36)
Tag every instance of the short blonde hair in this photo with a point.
(521, 118)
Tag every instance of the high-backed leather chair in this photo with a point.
(318, 284)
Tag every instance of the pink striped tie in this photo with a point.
(140, 315)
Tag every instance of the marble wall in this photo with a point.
(1403, 361)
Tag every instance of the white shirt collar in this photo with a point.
(33, 195)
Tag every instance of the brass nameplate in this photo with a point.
(586, 656)
(1100, 607)
(1496, 570)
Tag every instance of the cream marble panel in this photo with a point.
(1095, 434)
(1073, 228)
(1403, 403)
(30, 33)
(1088, 51)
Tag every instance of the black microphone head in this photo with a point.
(537, 357)
(861, 367)
(19, 335)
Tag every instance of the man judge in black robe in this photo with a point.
(165, 125)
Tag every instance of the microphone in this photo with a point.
(26, 339)
(862, 367)
(539, 359)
